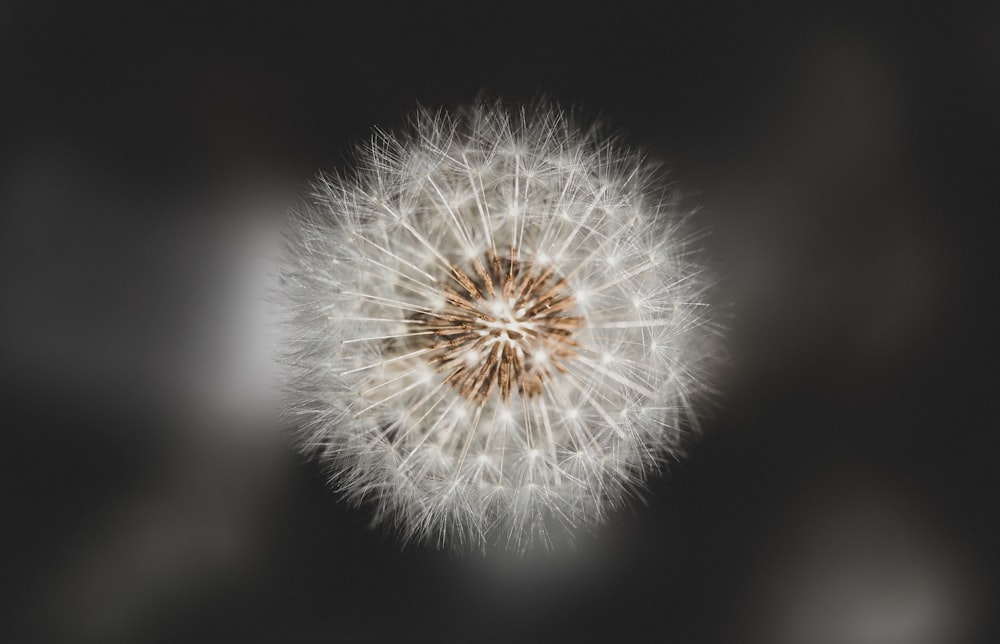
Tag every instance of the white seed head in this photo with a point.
(498, 329)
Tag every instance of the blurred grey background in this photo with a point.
(843, 158)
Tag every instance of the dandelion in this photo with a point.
(498, 328)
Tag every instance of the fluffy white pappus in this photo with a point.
(497, 326)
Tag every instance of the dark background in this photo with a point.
(844, 489)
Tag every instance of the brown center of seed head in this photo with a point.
(505, 323)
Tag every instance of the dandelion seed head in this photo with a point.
(498, 328)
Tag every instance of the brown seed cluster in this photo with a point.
(506, 324)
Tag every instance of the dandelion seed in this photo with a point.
(497, 326)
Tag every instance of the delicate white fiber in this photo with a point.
(497, 326)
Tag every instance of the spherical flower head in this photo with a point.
(498, 328)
